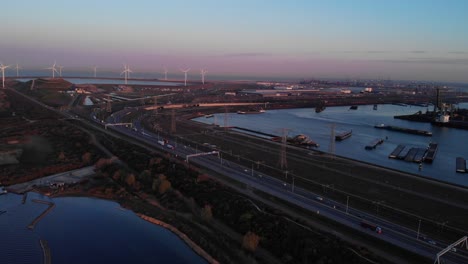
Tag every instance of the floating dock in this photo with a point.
(344, 135)
(374, 143)
(405, 130)
(396, 151)
(461, 165)
(431, 152)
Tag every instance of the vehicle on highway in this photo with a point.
(318, 198)
(372, 227)
(432, 242)
(169, 146)
(161, 142)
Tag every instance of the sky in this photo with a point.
(366, 39)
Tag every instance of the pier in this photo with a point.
(24, 198)
(43, 214)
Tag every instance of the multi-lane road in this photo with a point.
(398, 235)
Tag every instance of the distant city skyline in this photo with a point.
(401, 40)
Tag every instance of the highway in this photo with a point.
(391, 233)
(338, 212)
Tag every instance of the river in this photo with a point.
(317, 126)
(85, 230)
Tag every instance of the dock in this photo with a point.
(461, 165)
(396, 151)
(431, 152)
(374, 143)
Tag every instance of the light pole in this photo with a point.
(252, 171)
(293, 183)
(419, 226)
(347, 203)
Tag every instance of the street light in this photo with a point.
(419, 226)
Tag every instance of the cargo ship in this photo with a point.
(431, 152)
(344, 135)
(374, 143)
(461, 165)
(405, 130)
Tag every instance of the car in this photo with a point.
(432, 242)
(453, 250)
(318, 198)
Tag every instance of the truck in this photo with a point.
(161, 142)
(372, 227)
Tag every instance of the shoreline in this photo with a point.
(196, 248)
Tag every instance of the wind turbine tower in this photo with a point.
(3, 67)
(54, 70)
(165, 73)
(185, 72)
(17, 69)
(95, 69)
(203, 72)
(60, 70)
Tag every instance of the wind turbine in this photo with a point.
(3, 67)
(185, 72)
(127, 72)
(17, 69)
(95, 68)
(53, 70)
(165, 73)
(60, 70)
(203, 72)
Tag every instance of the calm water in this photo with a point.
(85, 230)
(452, 142)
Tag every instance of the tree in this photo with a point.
(206, 212)
(130, 180)
(164, 186)
(250, 241)
(86, 158)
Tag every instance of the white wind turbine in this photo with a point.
(95, 69)
(127, 72)
(185, 72)
(2, 68)
(54, 70)
(203, 72)
(60, 70)
(17, 69)
(165, 73)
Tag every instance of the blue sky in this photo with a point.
(425, 40)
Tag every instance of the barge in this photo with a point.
(396, 151)
(461, 165)
(344, 135)
(431, 152)
(374, 143)
(405, 130)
